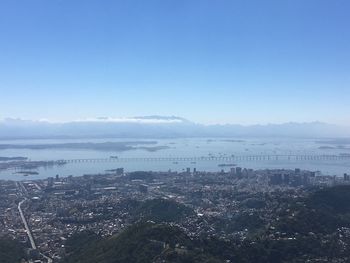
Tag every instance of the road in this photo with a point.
(49, 260)
(29, 233)
(232, 158)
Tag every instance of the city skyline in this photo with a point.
(229, 62)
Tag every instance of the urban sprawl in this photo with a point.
(43, 214)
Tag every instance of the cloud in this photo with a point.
(144, 120)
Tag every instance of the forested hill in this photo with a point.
(313, 229)
(140, 243)
(10, 251)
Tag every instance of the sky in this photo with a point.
(234, 61)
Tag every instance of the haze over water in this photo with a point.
(193, 147)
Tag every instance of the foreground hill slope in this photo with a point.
(140, 243)
(10, 251)
(315, 228)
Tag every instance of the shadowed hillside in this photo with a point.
(313, 229)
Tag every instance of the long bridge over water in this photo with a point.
(231, 158)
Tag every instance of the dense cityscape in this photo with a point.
(233, 206)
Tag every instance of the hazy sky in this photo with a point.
(208, 61)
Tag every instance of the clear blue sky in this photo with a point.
(208, 61)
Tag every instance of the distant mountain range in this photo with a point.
(160, 127)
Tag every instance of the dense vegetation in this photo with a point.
(140, 243)
(10, 251)
(322, 212)
(161, 210)
(311, 229)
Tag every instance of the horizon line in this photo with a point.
(156, 119)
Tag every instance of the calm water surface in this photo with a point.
(181, 148)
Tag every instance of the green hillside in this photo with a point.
(140, 243)
(315, 228)
(10, 251)
(161, 210)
